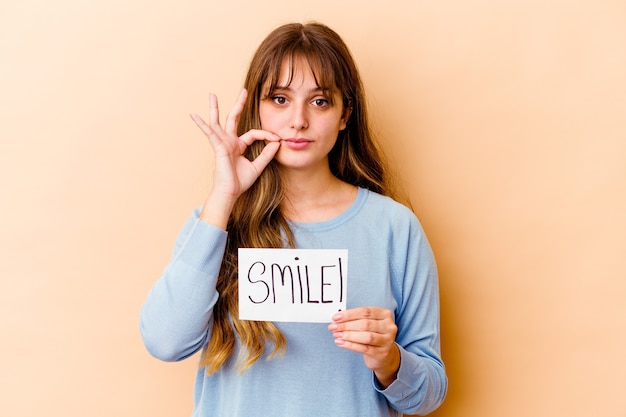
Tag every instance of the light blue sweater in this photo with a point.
(390, 265)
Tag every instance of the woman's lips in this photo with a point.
(297, 143)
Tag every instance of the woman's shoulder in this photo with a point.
(386, 205)
(382, 213)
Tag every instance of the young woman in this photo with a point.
(296, 167)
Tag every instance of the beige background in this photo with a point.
(506, 118)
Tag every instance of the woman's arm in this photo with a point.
(402, 350)
(176, 315)
(421, 382)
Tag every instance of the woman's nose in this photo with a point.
(299, 119)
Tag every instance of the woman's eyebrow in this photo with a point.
(289, 89)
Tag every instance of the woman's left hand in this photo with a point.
(372, 332)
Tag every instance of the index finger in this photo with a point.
(258, 134)
(359, 313)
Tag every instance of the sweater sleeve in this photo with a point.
(421, 384)
(176, 316)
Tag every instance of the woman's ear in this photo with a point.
(347, 111)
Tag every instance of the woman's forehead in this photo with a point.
(295, 69)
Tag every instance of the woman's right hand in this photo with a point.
(234, 173)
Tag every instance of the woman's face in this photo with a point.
(303, 116)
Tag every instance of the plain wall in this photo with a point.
(506, 120)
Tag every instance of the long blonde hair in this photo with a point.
(256, 219)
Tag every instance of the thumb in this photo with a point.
(266, 155)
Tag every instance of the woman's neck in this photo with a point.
(315, 197)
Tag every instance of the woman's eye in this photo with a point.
(279, 99)
(320, 102)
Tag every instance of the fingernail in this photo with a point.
(333, 326)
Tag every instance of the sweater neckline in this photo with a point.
(338, 220)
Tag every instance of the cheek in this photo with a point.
(269, 120)
(264, 118)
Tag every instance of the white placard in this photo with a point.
(304, 285)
